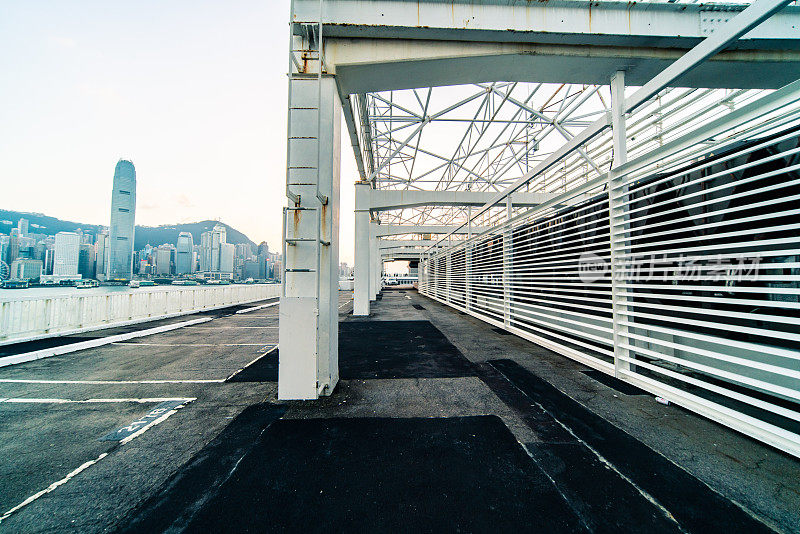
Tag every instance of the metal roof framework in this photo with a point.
(453, 108)
(465, 96)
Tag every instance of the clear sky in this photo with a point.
(193, 92)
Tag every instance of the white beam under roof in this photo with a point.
(398, 229)
(605, 23)
(382, 45)
(387, 199)
(405, 243)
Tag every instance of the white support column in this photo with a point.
(309, 333)
(468, 263)
(448, 277)
(374, 258)
(617, 213)
(507, 267)
(361, 291)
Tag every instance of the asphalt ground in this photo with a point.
(54, 412)
(467, 429)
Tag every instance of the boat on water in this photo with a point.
(147, 283)
(14, 284)
(133, 283)
(185, 283)
(86, 284)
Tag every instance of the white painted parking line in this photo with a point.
(231, 327)
(72, 474)
(52, 486)
(254, 308)
(91, 401)
(192, 344)
(93, 382)
(92, 343)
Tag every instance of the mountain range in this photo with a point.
(144, 235)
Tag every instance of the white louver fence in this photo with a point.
(701, 304)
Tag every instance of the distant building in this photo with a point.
(227, 251)
(13, 246)
(22, 226)
(164, 259)
(86, 260)
(211, 243)
(184, 264)
(250, 269)
(65, 259)
(25, 269)
(101, 248)
(123, 215)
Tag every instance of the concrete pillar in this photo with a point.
(309, 330)
(374, 259)
(361, 290)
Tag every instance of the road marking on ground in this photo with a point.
(160, 412)
(93, 382)
(251, 363)
(254, 308)
(92, 343)
(20, 400)
(230, 327)
(190, 344)
(52, 486)
(163, 415)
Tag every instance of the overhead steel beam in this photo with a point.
(381, 64)
(385, 199)
(404, 243)
(399, 229)
(605, 23)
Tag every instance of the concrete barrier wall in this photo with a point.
(31, 318)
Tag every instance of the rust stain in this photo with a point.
(323, 226)
(296, 217)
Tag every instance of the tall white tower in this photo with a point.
(123, 211)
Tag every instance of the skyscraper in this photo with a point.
(22, 226)
(226, 254)
(123, 211)
(86, 260)
(65, 261)
(183, 264)
(164, 259)
(101, 246)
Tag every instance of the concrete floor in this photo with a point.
(42, 441)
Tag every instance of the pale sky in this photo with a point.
(194, 93)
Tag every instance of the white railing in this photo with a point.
(29, 318)
(686, 285)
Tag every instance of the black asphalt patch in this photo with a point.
(614, 383)
(593, 489)
(398, 349)
(502, 332)
(264, 369)
(442, 475)
(695, 506)
(418, 307)
(128, 430)
(380, 349)
(193, 485)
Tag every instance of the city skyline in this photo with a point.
(208, 139)
(109, 254)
